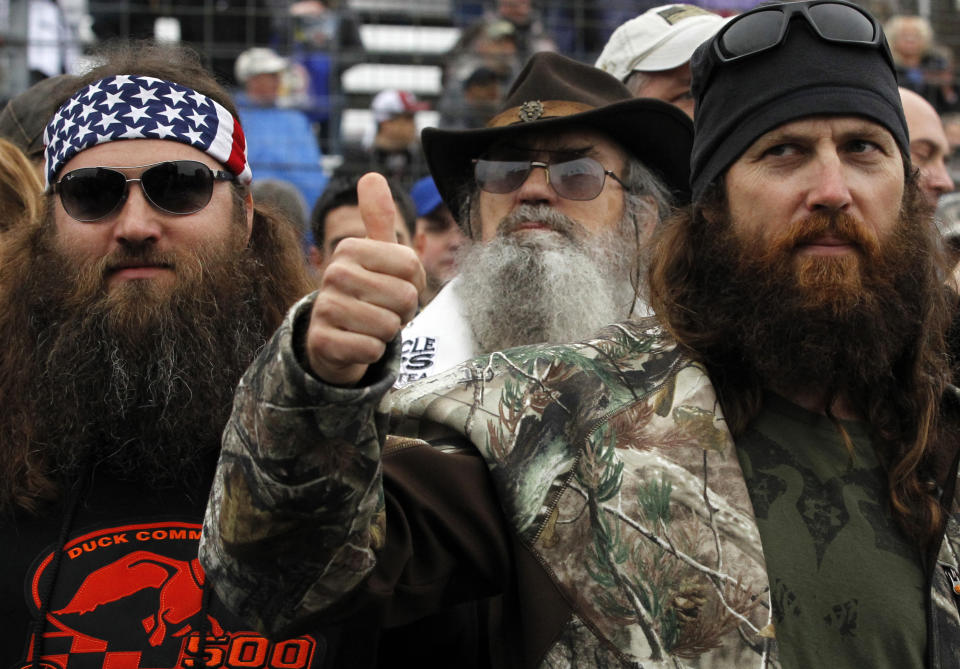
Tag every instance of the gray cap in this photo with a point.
(24, 118)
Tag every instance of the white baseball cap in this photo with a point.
(390, 103)
(661, 38)
(258, 60)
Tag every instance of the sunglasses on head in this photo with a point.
(765, 27)
(178, 187)
(577, 179)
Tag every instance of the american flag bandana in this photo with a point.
(129, 106)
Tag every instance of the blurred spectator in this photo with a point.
(480, 94)
(485, 48)
(21, 191)
(24, 118)
(651, 53)
(436, 239)
(531, 36)
(324, 39)
(391, 145)
(326, 25)
(929, 148)
(943, 82)
(280, 142)
(336, 216)
(483, 87)
(258, 70)
(922, 66)
(52, 44)
(285, 198)
(489, 44)
(951, 127)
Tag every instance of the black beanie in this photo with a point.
(805, 75)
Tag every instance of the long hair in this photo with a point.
(21, 192)
(902, 409)
(283, 276)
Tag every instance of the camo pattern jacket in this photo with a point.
(623, 534)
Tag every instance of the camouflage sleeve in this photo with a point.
(296, 508)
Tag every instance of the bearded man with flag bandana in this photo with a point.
(129, 311)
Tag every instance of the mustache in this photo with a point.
(548, 216)
(134, 255)
(839, 225)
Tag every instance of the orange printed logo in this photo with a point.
(131, 597)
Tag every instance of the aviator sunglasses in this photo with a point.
(178, 187)
(765, 27)
(577, 179)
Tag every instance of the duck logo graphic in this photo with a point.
(180, 586)
(131, 597)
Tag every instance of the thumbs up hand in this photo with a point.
(368, 291)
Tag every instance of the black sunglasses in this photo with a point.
(577, 179)
(178, 187)
(765, 27)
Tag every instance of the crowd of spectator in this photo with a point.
(285, 61)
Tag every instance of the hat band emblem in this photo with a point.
(530, 111)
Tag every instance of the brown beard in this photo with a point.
(799, 321)
(139, 380)
(136, 381)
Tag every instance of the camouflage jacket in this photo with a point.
(595, 485)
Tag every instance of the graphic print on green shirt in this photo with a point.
(847, 585)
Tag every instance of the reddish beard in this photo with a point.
(831, 324)
(830, 283)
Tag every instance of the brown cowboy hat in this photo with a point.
(554, 91)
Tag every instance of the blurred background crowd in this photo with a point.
(337, 87)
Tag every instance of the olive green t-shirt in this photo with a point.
(847, 585)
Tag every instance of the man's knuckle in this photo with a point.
(338, 274)
(410, 296)
(394, 322)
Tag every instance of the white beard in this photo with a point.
(546, 287)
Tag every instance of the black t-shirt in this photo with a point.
(128, 591)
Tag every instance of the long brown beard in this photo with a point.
(801, 322)
(137, 381)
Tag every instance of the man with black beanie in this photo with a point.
(763, 478)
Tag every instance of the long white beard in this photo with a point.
(554, 287)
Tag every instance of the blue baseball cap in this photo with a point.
(425, 196)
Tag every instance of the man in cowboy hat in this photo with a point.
(558, 196)
(767, 481)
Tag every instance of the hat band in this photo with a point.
(535, 110)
